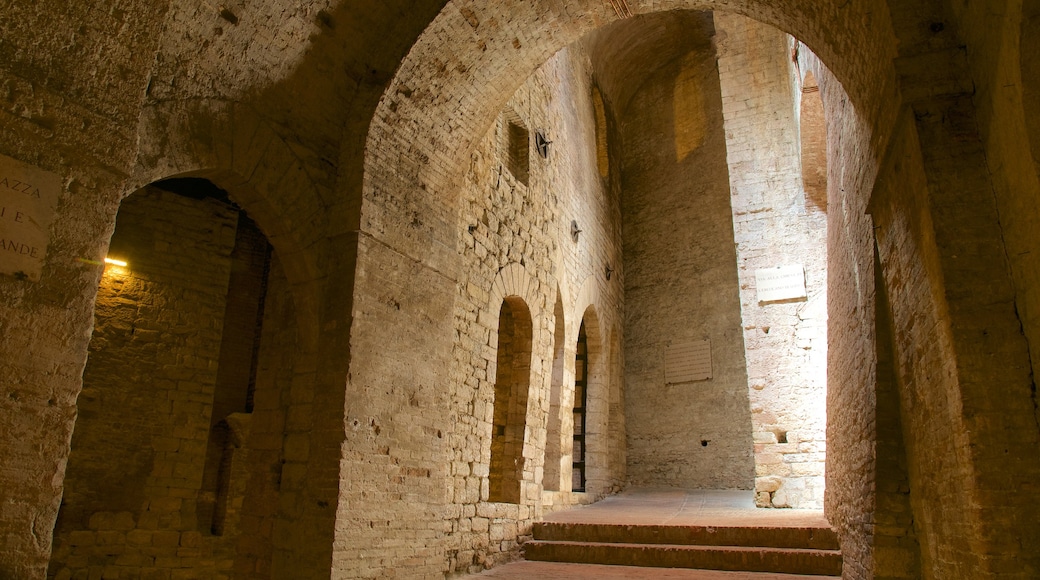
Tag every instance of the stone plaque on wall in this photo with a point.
(780, 283)
(688, 361)
(28, 197)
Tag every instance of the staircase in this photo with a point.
(804, 550)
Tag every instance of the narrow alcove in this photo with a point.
(581, 401)
(512, 382)
(517, 147)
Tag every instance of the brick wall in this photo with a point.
(445, 95)
(851, 469)
(260, 515)
(515, 240)
(305, 164)
(897, 553)
(148, 387)
(941, 214)
(776, 224)
(681, 277)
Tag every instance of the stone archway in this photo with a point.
(512, 390)
(228, 145)
(444, 97)
(419, 168)
(185, 392)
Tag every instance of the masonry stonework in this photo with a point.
(680, 270)
(516, 241)
(363, 139)
(134, 478)
(776, 225)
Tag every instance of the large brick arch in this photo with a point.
(234, 148)
(470, 61)
(473, 56)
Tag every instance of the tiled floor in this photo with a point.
(665, 506)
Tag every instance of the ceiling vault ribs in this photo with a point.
(621, 8)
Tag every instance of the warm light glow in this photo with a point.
(114, 262)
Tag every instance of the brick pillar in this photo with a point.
(962, 360)
(775, 225)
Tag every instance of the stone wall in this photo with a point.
(681, 277)
(851, 362)
(516, 245)
(359, 178)
(57, 115)
(776, 224)
(261, 517)
(897, 552)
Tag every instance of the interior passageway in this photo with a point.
(415, 164)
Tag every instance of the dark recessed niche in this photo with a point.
(519, 161)
(193, 187)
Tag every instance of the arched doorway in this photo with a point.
(512, 383)
(182, 416)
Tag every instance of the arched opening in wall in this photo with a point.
(181, 415)
(813, 137)
(580, 410)
(718, 366)
(512, 383)
(552, 472)
(600, 110)
(516, 149)
(485, 80)
(591, 469)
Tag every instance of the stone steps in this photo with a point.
(784, 550)
(702, 535)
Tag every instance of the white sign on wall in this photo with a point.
(780, 283)
(689, 361)
(28, 197)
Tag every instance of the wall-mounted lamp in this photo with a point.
(575, 230)
(541, 143)
(610, 271)
(114, 262)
